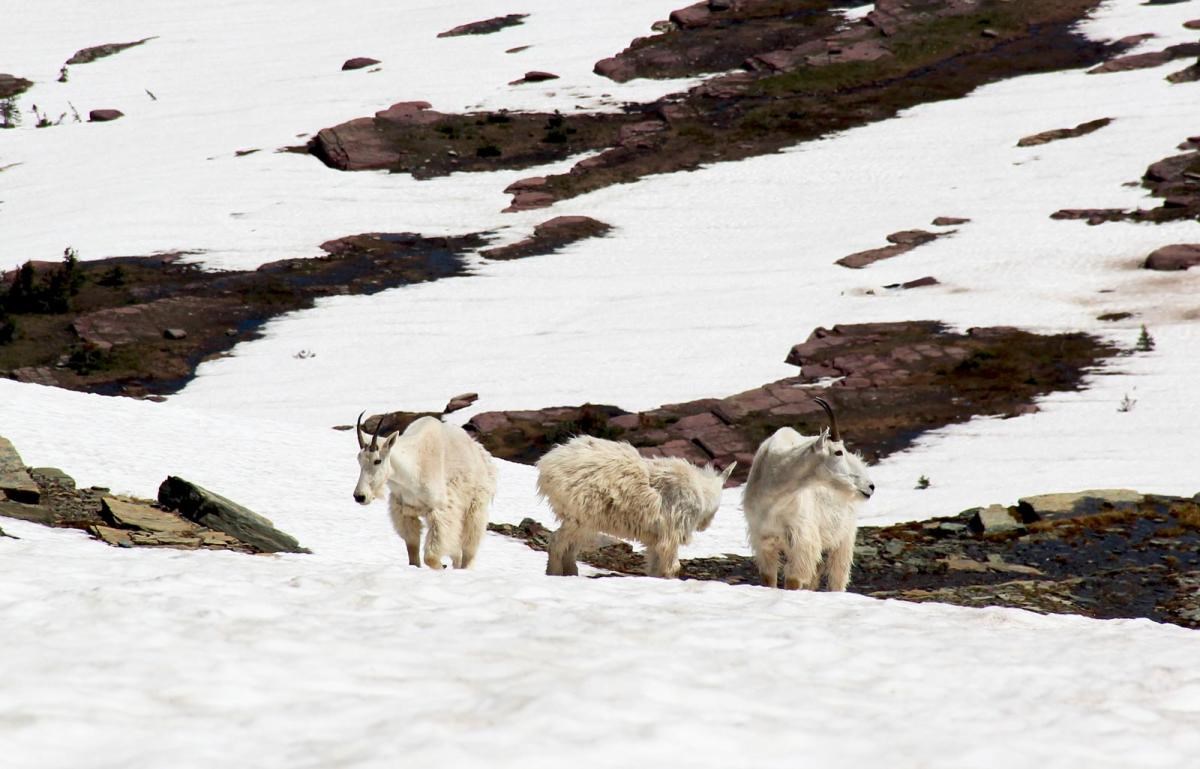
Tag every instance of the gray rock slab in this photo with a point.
(216, 512)
(15, 482)
(33, 513)
(994, 519)
(133, 515)
(1049, 507)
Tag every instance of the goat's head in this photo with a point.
(843, 467)
(711, 490)
(373, 466)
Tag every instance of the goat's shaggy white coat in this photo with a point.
(434, 472)
(599, 486)
(802, 500)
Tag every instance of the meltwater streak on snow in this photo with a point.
(230, 76)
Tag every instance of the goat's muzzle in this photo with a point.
(360, 499)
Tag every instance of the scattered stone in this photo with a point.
(517, 49)
(104, 115)
(1114, 316)
(550, 236)
(1177, 257)
(965, 564)
(174, 333)
(358, 62)
(11, 85)
(525, 201)
(85, 55)
(487, 26)
(1092, 216)
(202, 506)
(15, 482)
(1064, 133)
(1053, 507)
(948, 221)
(26, 512)
(1189, 74)
(994, 519)
(459, 402)
(928, 280)
(534, 76)
(1193, 24)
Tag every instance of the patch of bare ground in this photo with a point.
(803, 76)
(889, 382)
(1098, 554)
(140, 325)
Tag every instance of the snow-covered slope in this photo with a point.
(346, 657)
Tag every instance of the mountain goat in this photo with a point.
(802, 499)
(432, 471)
(594, 485)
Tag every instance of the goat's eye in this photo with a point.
(379, 461)
(837, 453)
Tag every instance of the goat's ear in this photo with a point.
(822, 440)
(728, 471)
(391, 441)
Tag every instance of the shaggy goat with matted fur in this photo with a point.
(598, 486)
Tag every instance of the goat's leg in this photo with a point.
(666, 559)
(803, 561)
(837, 565)
(766, 556)
(563, 550)
(408, 526)
(441, 539)
(474, 527)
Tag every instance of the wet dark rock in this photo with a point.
(104, 115)
(358, 62)
(486, 26)
(902, 242)
(534, 76)
(550, 236)
(948, 221)
(214, 511)
(1064, 133)
(1178, 257)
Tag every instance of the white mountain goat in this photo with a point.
(594, 485)
(802, 499)
(432, 471)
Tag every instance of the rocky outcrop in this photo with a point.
(1189, 74)
(550, 236)
(487, 26)
(902, 242)
(1146, 60)
(214, 511)
(104, 115)
(1179, 257)
(188, 517)
(888, 381)
(1175, 180)
(1064, 133)
(1098, 554)
(85, 55)
(156, 319)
